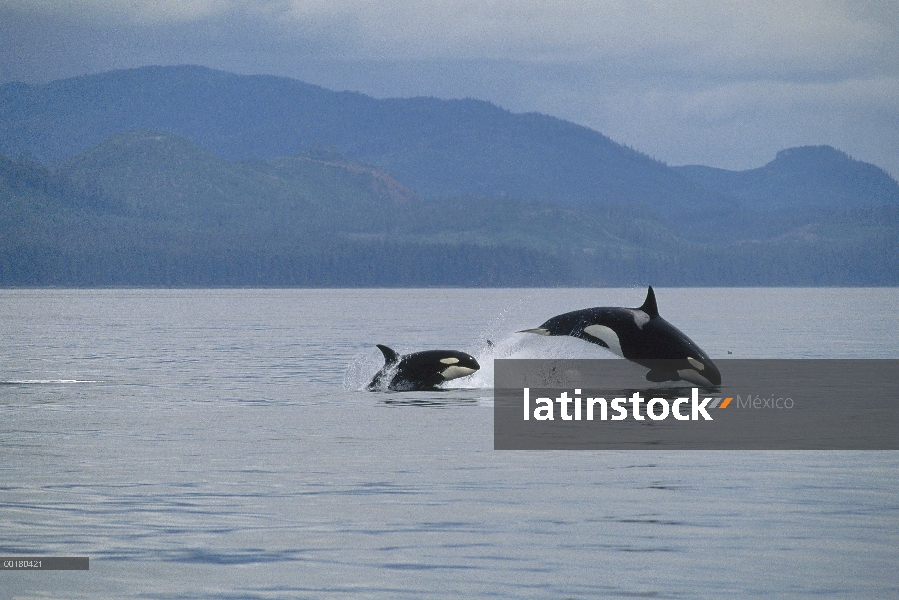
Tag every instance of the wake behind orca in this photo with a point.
(641, 336)
(421, 371)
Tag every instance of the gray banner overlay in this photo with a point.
(774, 405)
(45, 563)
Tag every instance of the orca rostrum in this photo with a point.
(421, 371)
(641, 336)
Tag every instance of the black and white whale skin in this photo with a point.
(421, 371)
(641, 336)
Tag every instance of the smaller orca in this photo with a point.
(641, 336)
(420, 371)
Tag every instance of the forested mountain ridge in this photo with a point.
(188, 176)
(151, 208)
(804, 177)
(436, 147)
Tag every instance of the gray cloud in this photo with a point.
(718, 83)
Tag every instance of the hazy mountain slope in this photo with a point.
(805, 177)
(161, 175)
(311, 197)
(436, 147)
(151, 208)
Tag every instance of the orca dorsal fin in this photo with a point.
(390, 355)
(649, 305)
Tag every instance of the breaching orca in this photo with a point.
(421, 371)
(641, 336)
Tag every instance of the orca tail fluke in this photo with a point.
(390, 355)
(649, 305)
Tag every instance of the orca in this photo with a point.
(420, 371)
(640, 335)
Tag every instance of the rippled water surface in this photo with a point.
(216, 444)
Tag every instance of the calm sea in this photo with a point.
(216, 444)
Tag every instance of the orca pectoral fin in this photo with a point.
(390, 355)
(659, 375)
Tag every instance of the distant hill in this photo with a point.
(164, 175)
(806, 177)
(436, 147)
(439, 148)
(151, 208)
(190, 176)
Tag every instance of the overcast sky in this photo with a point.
(719, 83)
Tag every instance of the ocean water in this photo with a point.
(218, 444)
